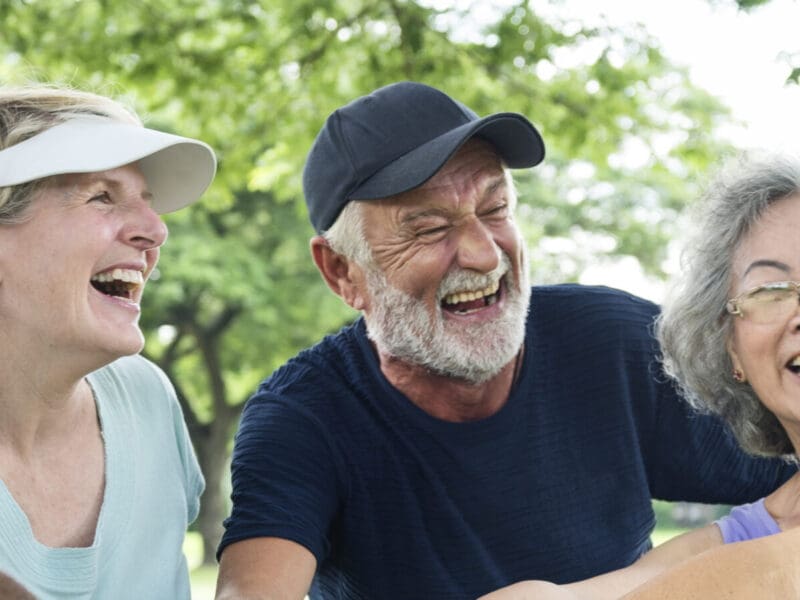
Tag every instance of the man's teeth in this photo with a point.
(459, 297)
(795, 362)
(126, 275)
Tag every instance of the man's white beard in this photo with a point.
(402, 327)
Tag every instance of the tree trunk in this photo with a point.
(212, 451)
(210, 439)
(211, 444)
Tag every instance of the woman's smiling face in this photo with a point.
(72, 272)
(768, 352)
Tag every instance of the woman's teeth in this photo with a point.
(127, 275)
(118, 282)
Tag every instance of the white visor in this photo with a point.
(177, 169)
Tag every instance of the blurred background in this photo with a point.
(638, 103)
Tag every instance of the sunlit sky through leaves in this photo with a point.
(743, 58)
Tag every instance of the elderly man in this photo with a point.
(467, 432)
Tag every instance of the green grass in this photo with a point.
(204, 581)
(662, 534)
(203, 578)
(666, 527)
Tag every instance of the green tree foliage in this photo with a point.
(750, 4)
(236, 293)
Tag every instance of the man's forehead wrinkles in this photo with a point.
(427, 202)
(481, 185)
(413, 215)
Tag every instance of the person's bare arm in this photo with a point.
(767, 567)
(661, 558)
(265, 568)
(11, 590)
(611, 586)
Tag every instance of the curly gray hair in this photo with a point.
(694, 326)
(30, 110)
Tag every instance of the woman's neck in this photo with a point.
(784, 504)
(37, 406)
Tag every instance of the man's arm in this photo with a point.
(265, 568)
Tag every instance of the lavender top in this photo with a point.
(747, 522)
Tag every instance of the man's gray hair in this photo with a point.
(346, 235)
(694, 327)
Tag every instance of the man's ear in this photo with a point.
(343, 276)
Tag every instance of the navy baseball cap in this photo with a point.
(395, 139)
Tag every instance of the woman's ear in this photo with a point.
(344, 276)
(738, 370)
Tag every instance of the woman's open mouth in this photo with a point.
(118, 283)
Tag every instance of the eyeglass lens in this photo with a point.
(770, 303)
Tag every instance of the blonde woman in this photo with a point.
(98, 479)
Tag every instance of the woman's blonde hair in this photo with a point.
(30, 110)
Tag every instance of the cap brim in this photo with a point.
(177, 169)
(516, 140)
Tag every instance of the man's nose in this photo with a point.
(477, 249)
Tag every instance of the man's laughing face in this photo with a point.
(447, 286)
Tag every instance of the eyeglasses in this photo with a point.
(768, 303)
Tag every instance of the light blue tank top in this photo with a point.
(153, 486)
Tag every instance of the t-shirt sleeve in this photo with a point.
(285, 477)
(747, 522)
(193, 476)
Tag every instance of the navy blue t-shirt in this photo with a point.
(557, 485)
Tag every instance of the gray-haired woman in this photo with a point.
(98, 479)
(730, 336)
